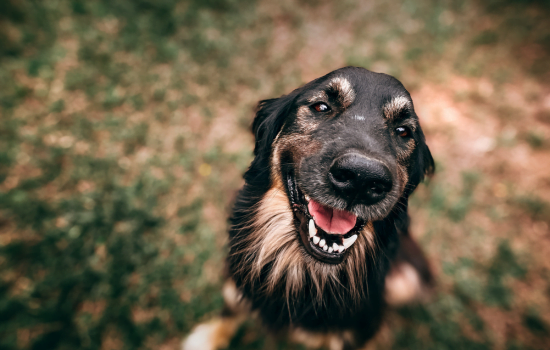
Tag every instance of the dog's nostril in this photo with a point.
(343, 175)
(377, 188)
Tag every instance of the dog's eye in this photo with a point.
(403, 131)
(321, 107)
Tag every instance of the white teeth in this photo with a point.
(312, 229)
(349, 241)
(306, 197)
(322, 243)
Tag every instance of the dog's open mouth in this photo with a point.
(326, 233)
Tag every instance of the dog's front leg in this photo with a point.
(410, 278)
(218, 332)
(346, 340)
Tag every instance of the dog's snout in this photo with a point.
(360, 178)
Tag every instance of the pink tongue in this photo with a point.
(331, 220)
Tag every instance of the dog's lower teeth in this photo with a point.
(306, 197)
(312, 229)
(322, 243)
(349, 241)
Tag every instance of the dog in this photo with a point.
(319, 244)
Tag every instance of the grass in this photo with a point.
(124, 135)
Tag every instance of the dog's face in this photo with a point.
(345, 149)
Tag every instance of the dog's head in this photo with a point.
(346, 148)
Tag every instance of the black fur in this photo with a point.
(337, 311)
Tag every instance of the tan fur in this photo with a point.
(218, 332)
(317, 340)
(343, 88)
(393, 108)
(403, 160)
(404, 154)
(403, 285)
(303, 113)
(215, 334)
(403, 176)
(304, 120)
(276, 241)
(294, 143)
(233, 298)
(275, 160)
(320, 96)
(346, 94)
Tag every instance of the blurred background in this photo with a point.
(124, 133)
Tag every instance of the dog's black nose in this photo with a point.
(359, 178)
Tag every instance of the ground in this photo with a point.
(125, 131)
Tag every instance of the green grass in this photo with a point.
(124, 135)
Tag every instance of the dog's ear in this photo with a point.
(426, 161)
(423, 163)
(270, 117)
(269, 120)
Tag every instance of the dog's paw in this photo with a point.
(212, 335)
(312, 340)
(404, 285)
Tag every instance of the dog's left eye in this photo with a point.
(403, 131)
(321, 107)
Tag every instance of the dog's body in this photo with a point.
(319, 241)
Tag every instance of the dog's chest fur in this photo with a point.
(289, 288)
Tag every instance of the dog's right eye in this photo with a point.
(321, 107)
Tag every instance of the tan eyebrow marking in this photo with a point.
(396, 106)
(320, 96)
(345, 91)
(339, 85)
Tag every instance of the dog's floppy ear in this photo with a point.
(426, 161)
(423, 163)
(269, 120)
(270, 117)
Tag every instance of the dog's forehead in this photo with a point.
(361, 89)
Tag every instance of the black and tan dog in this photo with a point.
(319, 241)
